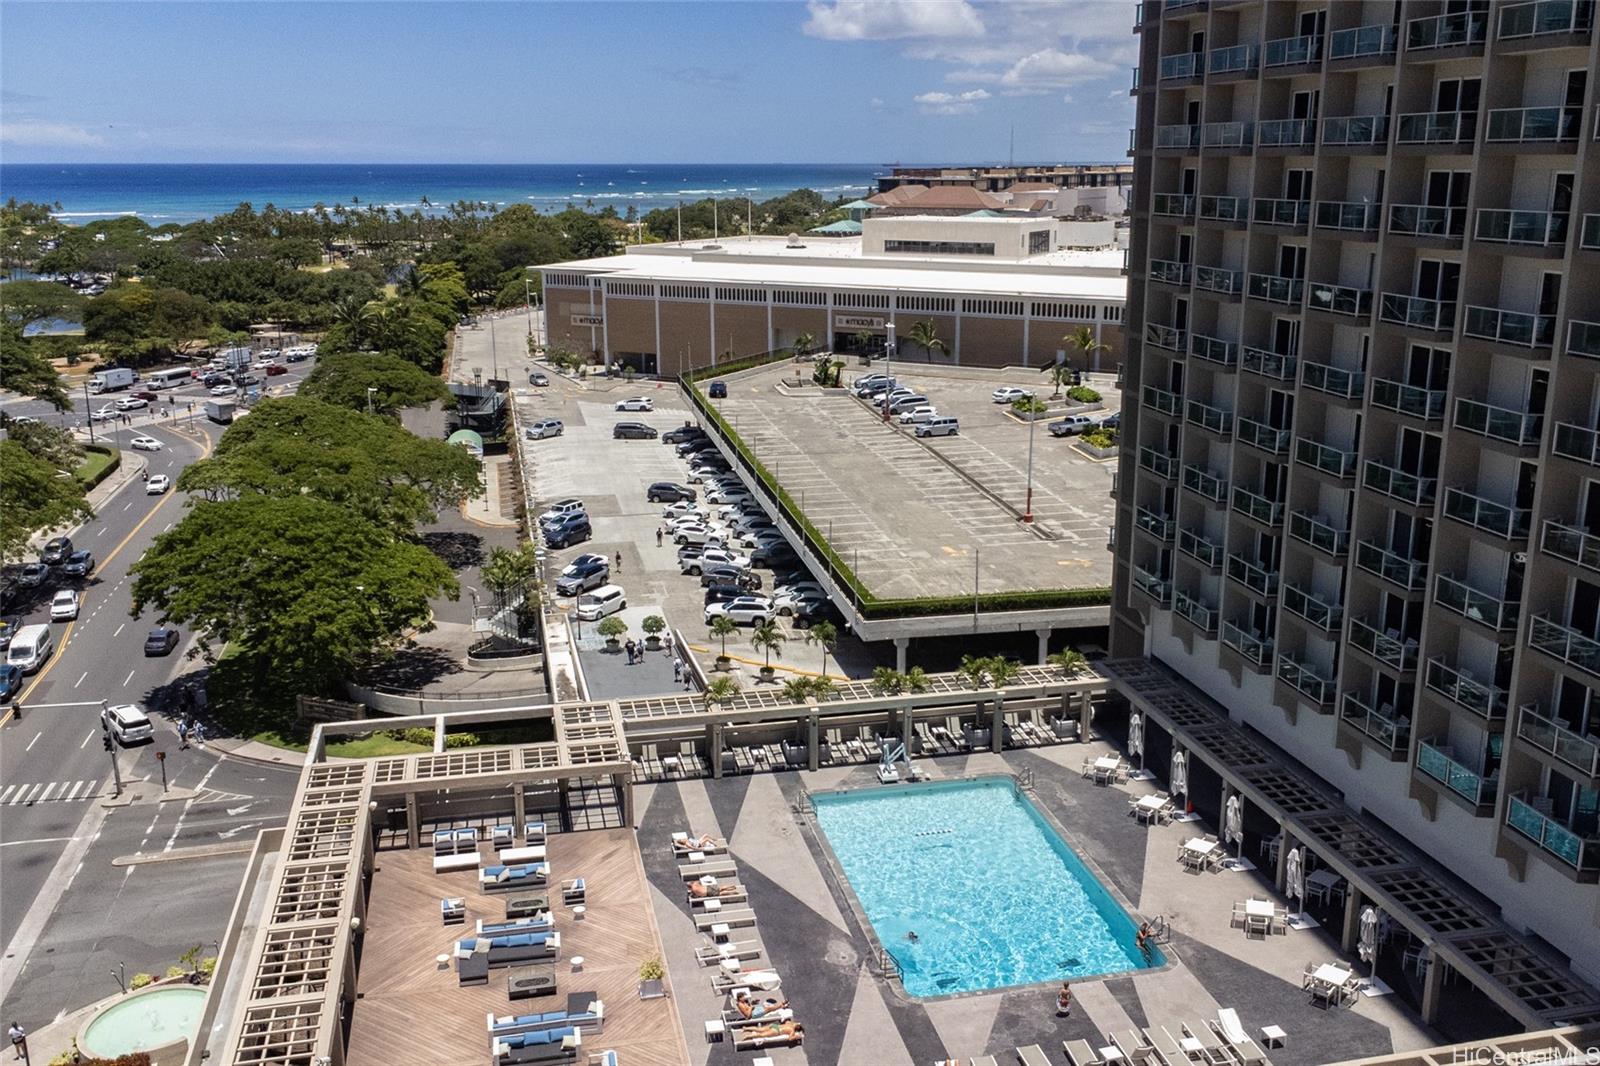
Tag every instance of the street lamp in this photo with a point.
(527, 293)
(1033, 417)
(888, 358)
(371, 392)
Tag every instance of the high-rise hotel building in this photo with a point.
(1359, 493)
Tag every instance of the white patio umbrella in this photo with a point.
(1136, 737)
(1367, 946)
(1233, 822)
(1180, 772)
(1295, 877)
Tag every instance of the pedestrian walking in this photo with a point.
(677, 670)
(666, 642)
(658, 536)
(629, 647)
(183, 733)
(618, 567)
(198, 733)
(19, 1039)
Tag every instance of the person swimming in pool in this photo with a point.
(912, 936)
(1141, 939)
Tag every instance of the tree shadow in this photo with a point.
(413, 667)
(459, 549)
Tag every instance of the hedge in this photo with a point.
(733, 366)
(100, 463)
(1083, 394)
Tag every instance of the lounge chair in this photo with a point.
(693, 871)
(1166, 1045)
(683, 844)
(573, 892)
(723, 893)
(1032, 1055)
(1211, 1047)
(1134, 1045)
(716, 954)
(751, 1037)
(725, 982)
(733, 918)
(1081, 1053)
(550, 1045)
(502, 878)
(984, 1060)
(1232, 1030)
(518, 925)
(591, 1016)
(533, 833)
(502, 836)
(733, 1019)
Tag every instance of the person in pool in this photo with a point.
(1141, 939)
(912, 936)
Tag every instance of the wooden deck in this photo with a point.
(410, 1010)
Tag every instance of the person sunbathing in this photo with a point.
(791, 1030)
(699, 843)
(751, 1009)
(700, 891)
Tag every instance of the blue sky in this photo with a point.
(827, 81)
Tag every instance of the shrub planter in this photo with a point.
(1094, 452)
(768, 672)
(613, 643)
(723, 662)
(652, 642)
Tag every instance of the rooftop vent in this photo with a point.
(795, 241)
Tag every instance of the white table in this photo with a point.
(719, 931)
(1326, 880)
(670, 763)
(714, 1030)
(577, 964)
(1112, 1053)
(512, 856)
(1259, 908)
(1153, 802)
(1329, 974)
(1107, 762)
(1273, 1036)
(1191, 1046)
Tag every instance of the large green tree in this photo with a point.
(343, 380)
(34, 495)
(304, 587)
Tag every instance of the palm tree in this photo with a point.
(1060, 374)
(865, 339)
(1002, 671)
(974, 668)
(797, 689)
(768, 639)
(721, 690)
(1071, 661)
(804, 343)
(925, 335)
(825, 635)
(723, 627)
(1082, 339)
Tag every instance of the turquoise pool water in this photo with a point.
(145, 1020)
(995, 896)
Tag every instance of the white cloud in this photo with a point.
(36, 134)
(942, 103)
(879, 20)
(1053, 69)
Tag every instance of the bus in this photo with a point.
(168, 379)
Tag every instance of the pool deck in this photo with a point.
(810, 934)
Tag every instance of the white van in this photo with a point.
(944, 426)
(31, 647)
(127, 723)
(607, 599)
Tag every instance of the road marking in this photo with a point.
(78, 682)
(129, 677)
(34, 741)
(127, 505)
(4, 792)
(49, 791)
(124, 625)
(87, 737)
(24, 792)
(40, 840)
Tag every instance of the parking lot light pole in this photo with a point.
(888, 359)
(1033, 417)
(370, 390)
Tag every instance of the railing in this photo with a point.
(1175, 204)
(1177, 136)
(1252, 575)
(1319, 532)
(1169, 271)
(1254, 505)
(1435, 761)
(1219, 280)
(1426, 404)
(1510, 327)
(1262, 436)
(1334, 380)
(1276, 289)
(1464, 690)
(1269, 211)
(1499, 615)
(1390, 734)
(1226, 134)
(1515, 427)
(1355, 131)
(1534, 125)
(1201, 615)
(1564, 643)
(1589, 234)
(1207, 552)
(1279, 367)
(1339, 299)
(1160, 464)
(1305, 680)
(1207, 484)
(1155, 523)
(1168, 403)
(1291, 51)
(1545, 16)
(1347, 215)
(1399, 484)
(1540, 228)
(1437, 127)
(1137, 78)
(1256, 649)
(1393, 567)
(1512, 523)
(1419, 312)
(1570, 543)
(1153, 585)
(1214, 350)
(1211, 419)
(1225, 208)
(1583, 855)
(1577, 442)
(1335, 461)
(1427, 220)
(1447, 31)
(1578, 750)
(1159, 336)
(1286, 133)
(1583, 338)
(1183, 65)
(1239, 58)
(1390, 651)
(1324, 614)
(1362, 41)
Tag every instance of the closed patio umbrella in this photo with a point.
(1295, 876)
(1233, 821)
(1136, 737)
(1180, 772)
(1367, 947)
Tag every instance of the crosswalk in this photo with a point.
(20, 795)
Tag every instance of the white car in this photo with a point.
(731, 494)
(693, 518)
(713, 557)
(745, 611)
(708, 472)
(917, 414)
(758, 537)
(145, 444)
(262, 364)
(545, 427)
(680, 509)
(222, 390)
(637, 403)
(157, 484)
(693, 534)
(799, 588)
(105, 414)
(1008, 394)
(64, 608)
(131, 403)
(786, 602)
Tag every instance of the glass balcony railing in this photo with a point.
(1202, 615)
(1225, 208)
(1551, 837)
(1356, 131)
(1214, 350)
(1252, 575)
(1256, 649)
(1262, 436)
(1275, 365)
(1537, 228)
(1513, 427)
(1319, 532)
(1564, 643)
(1183, 65)
(1460, 597)
(1589, 234)
(1138, 77)
(1418, 312)
(1546, 16)
(1240, 59)
(1398, 484)
(1160, 464)
(1581, 751)
(1339, 299)
(1583, 338)
(1323, 614)
(1348, 216)
(1510, 327)
(1387, 648)
(1155, 523)
(1464, 690)
(1512, 523)
(1254, 505)
(1390, 734)
(1177, 136)
(1169, 272)
(1219, 280)
(1199, 480)
(1275, 289)
(1575, 545)
(1333, 461)
(1427, 220)
(1577, 442)
(1437, 127)
(1397, 569)
(1447, 31)
(1165, 337)
(1227, 134)
(1212, 419)
(1207, 552)
(1360, 42)
(1426, 404)
(1274, 212)
(1292, 51)
(1304, 679)
(1168, 403)
(1534, 125)
(1333, 380)
(1286, 133)
(1436, 760)
(1153, 585)
(1171, 203)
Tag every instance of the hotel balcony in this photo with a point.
(1274, 289)
(1160, 464)
(1185, 66)
(1279, 367)
(1219, 281)
(1304, 679)
(1574, 750)
(1570, 544)
(1387, 649)
(1324, 615)
(1178, 138)
(1348, 217)
(1347, 301)
(1138, 78)
(1525, 229)
(1196, 612)
(1202, 482)
(1166, 338)
(1410, 400)
(1490, 516)
(1209, 418)
(1589, 234)
(1229, 64)
(1208, 553)
(1398, 484)
(1577, 856)
(1256, 507)
(1510, 327)
(1540, 126)
(1228, 136)
(1162, 401)
(1399, 570)
(1298, 134)
(1153, 585)
(1284, 214)
(1172, 204)
(1335, 462)
(1576, 442)
(1436, 760)
(1438, 131)
(1522, 25)
(1564, 644)
(1362, 46)
(1153, 522)
(1319, 532)
(1214, 350)
(1465, 691)
(1388, 734)
(1475, 605)
(1256, 650)
(1252, 575)
(1364, 133)
(1291, 52)
(1519, 428)
(1169, 272)
(1434, 223)
(1333, 380)
(1261, 436)
(1461, 29)
(1232, 210)
(1417, 312)
(1583, 338)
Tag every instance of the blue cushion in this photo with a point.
(549, 1036)
(492, 871)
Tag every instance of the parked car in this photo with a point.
(157, 484)
(32, 575)
(223, 390)
(907, 403)
(715, 557)
(545, 427)
(788, 603)
(757, 538)
(724, 593)
(145, 444)
(636, 403)
(537, 377)
(773, 556)
(683, 434)
(889, 396)
(680, 509)
(745, 611)
(607, 599)
(127, 723)
(274, 370)
(727, 574)
(710, 474)
(560, 509)
(1071, 426)
(575, 530)
(1009, 394)
(56, 550)
(871, 383)
(728, 494)
(942, 426)
(632, 431)
(669, 492)
(64, 608)
(692, 534)
(582, 576)
(78, 564)
(10, 682)
(131, 403)
(160, 641)
(718, 390)
(921, 413)
(1112, 421)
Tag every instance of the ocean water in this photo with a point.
(184, 192)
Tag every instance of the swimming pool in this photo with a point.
(994, 895)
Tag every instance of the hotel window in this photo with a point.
(939, 247)
(1039, 242)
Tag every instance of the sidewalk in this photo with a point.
(133, 466)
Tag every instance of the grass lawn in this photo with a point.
(94, 464)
